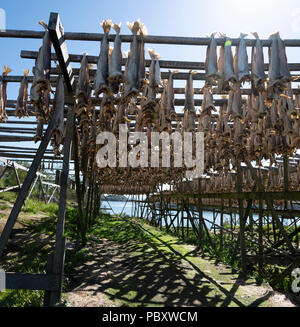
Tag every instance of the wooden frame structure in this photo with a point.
(185, 207)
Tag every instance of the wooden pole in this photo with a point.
(59, 250)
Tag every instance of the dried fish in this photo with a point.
(243, 69)
(170, 98)
(83, 87)
(274, 59)
(131, 87)
(59, 104)
(284, 71)
(101, 82)
(21, 106)
(3, 95)
(42, 67)
(115, 66)
(229, 71)
(258, 76)
(142, 64)
(189, 105)
(39, 131)
(211, 65)
(208, 102)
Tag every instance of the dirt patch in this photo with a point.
(87, 299)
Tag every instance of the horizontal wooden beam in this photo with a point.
(24, 281)
(291, 195)
(178, 40)
(195, 65)
(164, 75)
(15, 138)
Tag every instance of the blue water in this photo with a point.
(116, 207)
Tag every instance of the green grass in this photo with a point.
(33, 206)
(8, 196)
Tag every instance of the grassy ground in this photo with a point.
(125, 263)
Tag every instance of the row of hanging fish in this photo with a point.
(228, 69)
(272, 180)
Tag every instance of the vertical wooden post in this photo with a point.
(260, 236)
(54, 297)
(242, 222)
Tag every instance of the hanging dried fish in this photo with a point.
(258, 76)
(163, 122)
(229, 71)
(39, 131)
(40, 88)
(208, 101)
(132, 72)
(189, 105)
(274, 59)
(149, 104)
(3, 95)
(142, 64)
(115, 66)
(284, 70)
(211, 65)
(101, 82)
(21, 106)
(243, 69)
(237, 104)
(170, 98)
(222, 84)
(83, 87)
(58, 107)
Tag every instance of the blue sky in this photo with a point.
(162, 17)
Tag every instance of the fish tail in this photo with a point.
(134, 27)
(152, 53)
(212, 35)
(130, 25)
(41, 22)
(26, 72)
(143, 28)
(275, 35)
(117, 27)
(106, 25)
(222, 35)
(255, 34)
(6, 70)
(243, 35)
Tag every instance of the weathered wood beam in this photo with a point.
(31, 281)
(179, 40)
(291, 195)
(58, 40)
(14, 138)
(170, 64)
(60, 241)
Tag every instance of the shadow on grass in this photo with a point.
(139, 272)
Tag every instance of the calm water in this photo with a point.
(116, 207)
